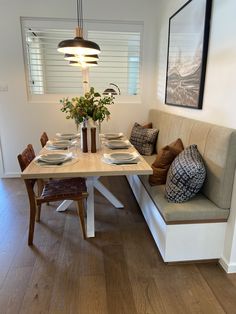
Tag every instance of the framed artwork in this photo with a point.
(187, 54)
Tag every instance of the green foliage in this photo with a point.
(91, 105)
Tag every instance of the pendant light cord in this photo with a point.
(80, 14)
(82, 18)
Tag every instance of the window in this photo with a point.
(48, 73)
(35, 69)
(118, 62)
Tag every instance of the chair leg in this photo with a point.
(40, 185)
(38, 212)
(31, 223)
(80, 211)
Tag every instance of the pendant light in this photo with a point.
(80, 58)
(78, 45)
(83, 64)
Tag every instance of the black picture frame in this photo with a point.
(188, 39)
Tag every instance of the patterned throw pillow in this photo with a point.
(143, 139)
(164, 158)
(185, 176)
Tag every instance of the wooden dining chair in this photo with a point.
(52, 191)
(43, 139)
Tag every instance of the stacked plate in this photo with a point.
(121, 158)
(118, 144)
(58, 144)
(54, 159)
(112, 136)
(67, 136)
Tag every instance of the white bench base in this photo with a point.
(179, 242)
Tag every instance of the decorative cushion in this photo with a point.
(185, 176)
(143, 139)
(163, 161)
(147, 126)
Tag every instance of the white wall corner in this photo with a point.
(228, 260)
(228, 267)
(1, 161)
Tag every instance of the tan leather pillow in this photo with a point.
(147, 126)
(163, 161)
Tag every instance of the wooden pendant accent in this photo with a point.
(79, 32)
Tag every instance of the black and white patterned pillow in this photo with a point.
(143, 139)
(185, 176)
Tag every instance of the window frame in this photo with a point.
(88, 24)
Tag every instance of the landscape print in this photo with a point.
(185, 55)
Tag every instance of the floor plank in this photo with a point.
(223, 288)
(119, 291)
(118, 271)
(92, 295)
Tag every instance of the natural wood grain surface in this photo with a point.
(88, 164)
(119, 271)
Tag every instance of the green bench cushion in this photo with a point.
(198, 209)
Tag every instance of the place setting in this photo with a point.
(55, 159)
(67, 136)
(121, 158)
(58, 144)
(63, 141)
(118, 144)
(107, 137)
(112, 136)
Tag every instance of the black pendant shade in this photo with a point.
(79, 45)
(111, 91)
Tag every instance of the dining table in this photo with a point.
(91, 166)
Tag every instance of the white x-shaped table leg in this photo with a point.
(93, 182)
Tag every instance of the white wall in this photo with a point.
(219, 104)
(22, 122)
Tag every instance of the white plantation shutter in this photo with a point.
(48, 73)
(119, 61)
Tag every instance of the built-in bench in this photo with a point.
(194, 230)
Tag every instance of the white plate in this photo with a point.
(111, 136)
(67, 136)
(118, 144)
(120, 157)
(52, 158)
(59, 144)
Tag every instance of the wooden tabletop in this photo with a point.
(87, 165)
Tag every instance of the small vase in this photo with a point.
(84, 140)
(93, 124)
(93, 140)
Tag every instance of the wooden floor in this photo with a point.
(119, 271)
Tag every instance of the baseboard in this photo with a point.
(201, 261)
(11, 175)
(229, 268)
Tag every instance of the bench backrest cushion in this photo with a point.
(216, 144)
